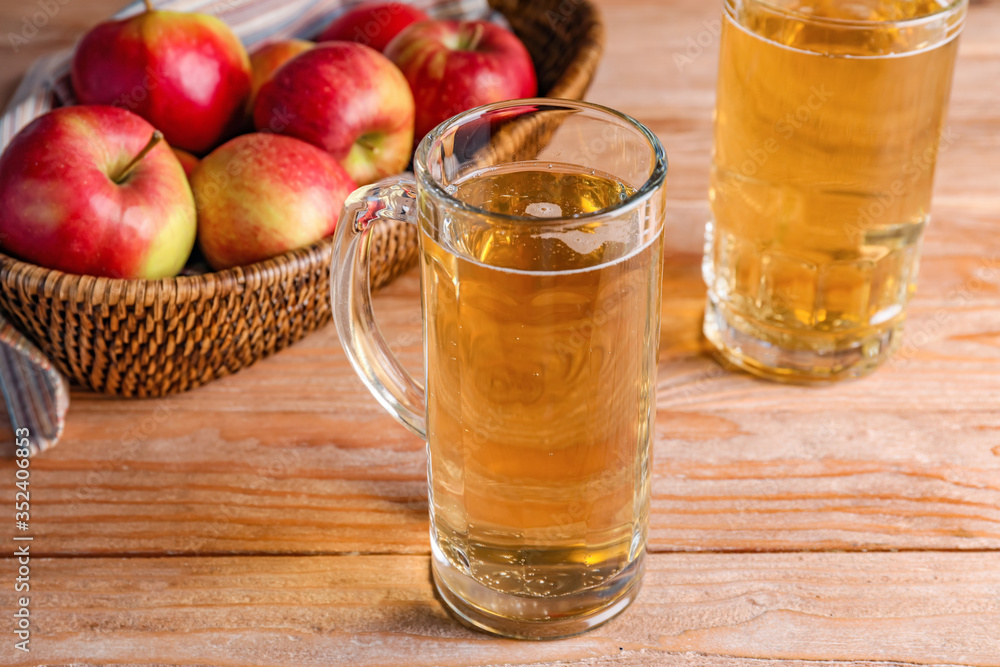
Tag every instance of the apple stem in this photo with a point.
(149, 5)
(477, 35)
(153, 140)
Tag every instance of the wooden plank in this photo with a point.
(695, 609)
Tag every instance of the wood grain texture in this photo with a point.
(695, 609)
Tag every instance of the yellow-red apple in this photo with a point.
(92, 190)
(347, 99)
(187, 74)
(266, 59)
(262, 194)
(453, 66)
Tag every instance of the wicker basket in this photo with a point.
(152, 338)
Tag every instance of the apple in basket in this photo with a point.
(373, 24)
(187, 74)
(347, 99)
(453, 66)
(93, 190)
(266, 59)
(263, 194)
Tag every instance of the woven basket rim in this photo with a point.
(36, 276)
(589, 50)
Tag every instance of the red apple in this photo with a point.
(347, 99)
(188, 161)
(453, 66)
(91, 190)
(261, 194)
(268, 58)
(373, 24)
(187, 74)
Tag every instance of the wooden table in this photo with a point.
(278, 517)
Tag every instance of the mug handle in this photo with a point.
(366, 348)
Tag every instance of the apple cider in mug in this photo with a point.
(541, 227)
(539, 432)
(827, 129)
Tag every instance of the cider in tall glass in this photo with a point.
(541, 354)
(829, 120)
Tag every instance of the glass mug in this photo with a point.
(541, 250)
(829, 118)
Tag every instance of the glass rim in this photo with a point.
(656, 179)
(938, 14)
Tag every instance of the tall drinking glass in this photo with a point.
(829, 120)
(541, 245)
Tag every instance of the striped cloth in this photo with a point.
(35, 393)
